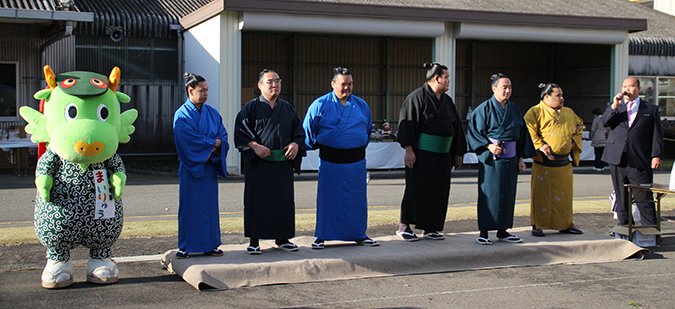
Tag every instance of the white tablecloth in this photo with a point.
(20, 143)
(391, 155)
(587, 154)
(378, 156)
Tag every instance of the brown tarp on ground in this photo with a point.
(345, 260)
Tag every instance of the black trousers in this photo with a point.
(598, 157)
(625, 174)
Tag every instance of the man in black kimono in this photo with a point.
(269, 134)
(431, 133)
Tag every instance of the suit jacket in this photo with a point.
(640, 142)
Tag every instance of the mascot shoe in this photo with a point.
(57, 274)
(102, 271)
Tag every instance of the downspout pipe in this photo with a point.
(70, 25)
(181, 67)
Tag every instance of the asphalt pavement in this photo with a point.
(145, 284)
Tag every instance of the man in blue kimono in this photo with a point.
(339, 124)
(498, 135)
(269, 134)
(201, 142)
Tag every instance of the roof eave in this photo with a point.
(213, 8)
(12, 16)
(414, 13)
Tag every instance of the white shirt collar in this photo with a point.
(637, 101)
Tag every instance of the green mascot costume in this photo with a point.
(80, 178)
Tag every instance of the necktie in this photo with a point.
(631, 112)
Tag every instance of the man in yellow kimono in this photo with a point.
(556, 133)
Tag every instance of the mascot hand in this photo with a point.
(126, 120)
(44, 186)
(119, 180)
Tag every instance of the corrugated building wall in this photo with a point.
(59, 56)
(154, 126)
(582, 71)
(149, 74)
(385, 70)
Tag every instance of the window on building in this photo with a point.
(8, 90)
(666, 95)
(659, 90)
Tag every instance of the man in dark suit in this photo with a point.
(634, 147)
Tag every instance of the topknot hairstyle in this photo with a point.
(547, 88)
(192, 80)
(340, 71)
(495, 79)
(434, 69)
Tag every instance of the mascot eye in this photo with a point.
(68, 83)
(71, 112)
(99, 83)
(102, 112)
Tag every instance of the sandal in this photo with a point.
(288, 247)
(512, 239)
(216, 252)
(407, 236)
(182, 254)
(572, 230)
(253, 250)
(318, 244)
(483, 241)
(538, 233)
(434, 236)
(368, 242)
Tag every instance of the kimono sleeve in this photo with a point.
(477, 131)
(298, 138)
(532, 121)
(244, 130)
(369, 119)
(193, 147)
(408, 125)
(115, 165)
(311, 124)
(524, 146)
(219, 157)
(47, 164)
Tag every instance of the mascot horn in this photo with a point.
(80, 178)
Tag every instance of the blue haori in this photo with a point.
(342, 206)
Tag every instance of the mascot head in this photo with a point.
(82, 121)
